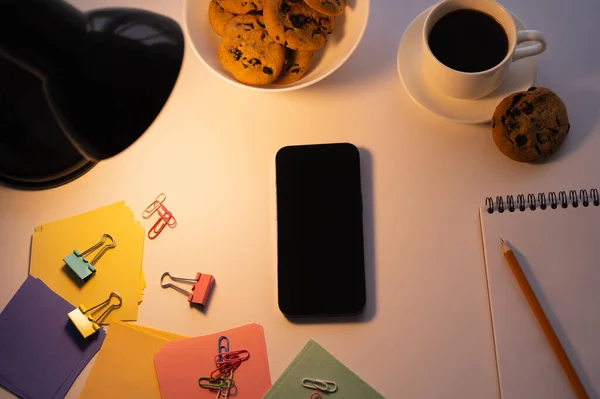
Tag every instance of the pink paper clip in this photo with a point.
(166, 218)
(201, 286)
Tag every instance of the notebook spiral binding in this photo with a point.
(533, 202)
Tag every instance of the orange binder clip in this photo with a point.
(201, 286)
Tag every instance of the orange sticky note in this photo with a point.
(180, 364)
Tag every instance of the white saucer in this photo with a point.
(521, 75)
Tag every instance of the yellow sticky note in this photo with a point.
(124, 367)
(142, 287)
(118, 270)
(169, 336)
(117, 210)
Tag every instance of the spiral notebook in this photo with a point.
(556, 239)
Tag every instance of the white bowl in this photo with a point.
(347, 33)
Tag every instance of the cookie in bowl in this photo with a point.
(218, 17)
(333, 8)
(295, 66)
(249, 53)
(295, 25)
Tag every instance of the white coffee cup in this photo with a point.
(472, 85)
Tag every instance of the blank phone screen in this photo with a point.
(320, 233)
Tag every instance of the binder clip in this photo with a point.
(79, 264)
(166, 218)
(83, 320)
(201, 286)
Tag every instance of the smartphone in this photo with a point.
(320, 249)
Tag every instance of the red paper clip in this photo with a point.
(224, 369)
(232, 357)
(166, 218)
(316, 395)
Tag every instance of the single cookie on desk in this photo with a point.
(296, 25)
(333, 8)
(530, 126)
(218, 17)
(241, 6)
(295, 66)
(249, 53)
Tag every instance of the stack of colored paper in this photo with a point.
(41, 351)
(118, 270)
(316, 363)
(180, 364)
(124, 367)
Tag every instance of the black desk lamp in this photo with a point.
(77, 88)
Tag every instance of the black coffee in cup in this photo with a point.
(468, 41)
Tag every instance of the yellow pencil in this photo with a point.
(542, 319)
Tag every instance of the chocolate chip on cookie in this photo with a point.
(327, 7)
(249, 53)
(530, 126)
(296, 25)
(295, 66)
(218, 17)
(241, 6)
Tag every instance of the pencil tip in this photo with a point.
(501, 240)
(505, 247)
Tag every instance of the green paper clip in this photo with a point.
(219, 383)
(80, 266)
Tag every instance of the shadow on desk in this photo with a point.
(376, 53)
(366, 175)
(556, 324)
(581, 95)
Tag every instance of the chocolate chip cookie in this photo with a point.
(249, 53)
(218, 17)
(296, 25)
(241, 6)
(245, 23)
(327, 7)
(530, 126)
(295, 66)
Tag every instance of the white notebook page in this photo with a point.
(559, 250)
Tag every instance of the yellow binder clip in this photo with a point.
(83, 320)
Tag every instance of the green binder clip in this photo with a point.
(80, 266)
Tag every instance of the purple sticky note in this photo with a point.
(41, 351)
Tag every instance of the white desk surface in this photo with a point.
(426, 332)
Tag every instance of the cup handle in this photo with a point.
(534, 49)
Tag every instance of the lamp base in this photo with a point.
(57, 123)
(34, 151)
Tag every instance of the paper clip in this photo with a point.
(223, 348)
(153, 207)
(79, 264)
(201, 286)
(224, 369)
(321, 385)
(315, 395)
(166, 218)
(216, 383)
(224, 392)
(232, 357)
(83, 320)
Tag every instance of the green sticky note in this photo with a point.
(315, 362)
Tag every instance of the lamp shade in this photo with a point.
(77, 88)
